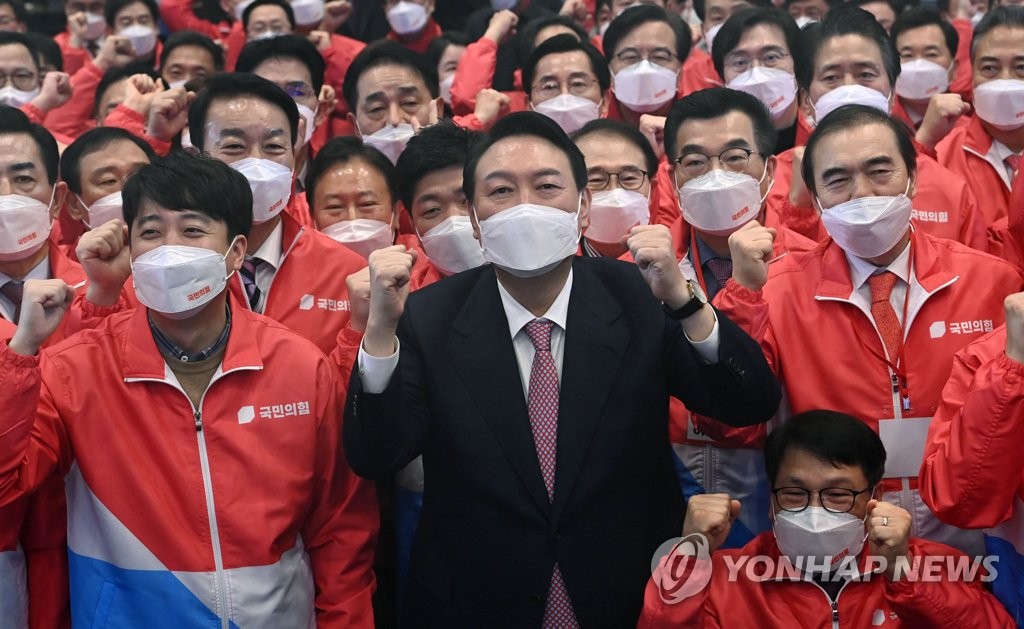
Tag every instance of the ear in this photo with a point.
(953, 68)
(60, 194)
(806, 108)
(355, 125)
(76, 208)
(584, 217)
(476, 224)
(300, 133)
(912, 188)
(602, 107)
(236, 253)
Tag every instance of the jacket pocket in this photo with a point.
(104, 603)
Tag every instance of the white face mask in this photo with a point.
(869, 226)
(310, 117)
(407, 18)
(266, 35)
(143, 38)
(816, 538)
(241, 7)
(104, 210)
(503, 5)
(178, 281)
(1001, 103)
(921, 79)
(773, 87)
(614, 212)
(644, 86)
(569, 111)
(308, 12)
(13, 97)
(391, 140)
(446, 88)
(271, 185)
(709, 37)
(24, 226)
(451, 247)
(855, 94)
(176, 84)
(95, 26)
(803, 21)
(720, 201)
(528, 240)
(362, 235)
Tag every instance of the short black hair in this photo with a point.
(284, 47)
(637, 16)
(91, 141)
(13, 121)
(437, 147)
(192, 38)
(529, 124)
(47, 49)
(920, 17)
(8, 38)
(342, 150)
(114, 7)
(18, 7)
(284, 6)
(715, 102)
(840, 21)
(860, 3)
(562, 44)
(623, 131)
(850, 117)
(732, 31)
(382, 53)
(235, 85)
(524, 40)
(440, 44)
(215, 189)
(699, 6)
(115, 74)
(830, 436)
(1011, 16)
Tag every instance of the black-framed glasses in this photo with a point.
(834, 499)
(629, 178)
(696, 164)
(657, 56)
(740, 63)
(24, 80)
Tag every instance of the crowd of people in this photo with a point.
(557, 313)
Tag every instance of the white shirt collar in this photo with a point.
(861, 269)
(272, 248)
(997, 154)
(40, 271)
(518, 316)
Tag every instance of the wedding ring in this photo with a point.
(885, 520)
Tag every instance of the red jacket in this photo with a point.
(178, 15)
(420, 43)
(475, 72)
(1006, 236)
(76, 116)
(698, 73)
(758, 597)
(74, 58)
(963, 152)
(963, 84)
(247, 499)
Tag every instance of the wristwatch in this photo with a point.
(690, 308)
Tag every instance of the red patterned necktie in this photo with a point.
(883, 313)
(543, 407)
(721, 270)
(1013, 161)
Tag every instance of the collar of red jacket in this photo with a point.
(764, 545)
(976, 138)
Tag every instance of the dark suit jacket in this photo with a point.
(488, 537)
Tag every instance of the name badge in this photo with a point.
(904, 441)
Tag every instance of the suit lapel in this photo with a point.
(482, 354)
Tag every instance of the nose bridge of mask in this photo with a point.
(855, 94)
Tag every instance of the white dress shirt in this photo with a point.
(40, 271)
(861, 270)
(270, 252)
(997, 154)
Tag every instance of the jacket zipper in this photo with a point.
(833, 604)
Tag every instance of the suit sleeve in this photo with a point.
(341, 531)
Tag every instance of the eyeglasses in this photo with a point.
(658, 56)
(24, 80)
(579, 86)
(696, 164)
(629, 178)
(739, 63)
(834, 499)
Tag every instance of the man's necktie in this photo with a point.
(543, 406)
(14, 290)
(721, 269)
(252, 290)
(883, 313)
(1013, 161)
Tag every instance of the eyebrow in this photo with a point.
(735, 143)
(504, 174)
(870, 64)
(21, 166)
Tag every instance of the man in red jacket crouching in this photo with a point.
(809, 571)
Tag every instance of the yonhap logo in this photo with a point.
(682, 567)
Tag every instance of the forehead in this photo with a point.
(387, 77)
(726, 5)
(848, 148)
(285, 70)
(928, 34)
(452, 52)
(606, 149)
(249, 113)
(114, 153)
(761, 35)
(352, 175)
(649, 35)
(16, 54)
(799, 465)
(548, 32)
(19, 147)
(848, 49)
(715, 132)
(133, 9)
(1001, 39)
(521, 154)
(191, 55)
(563, 63)
(151, 210)
(268, 12)
(439, 181)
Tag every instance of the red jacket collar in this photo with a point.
(976, 138)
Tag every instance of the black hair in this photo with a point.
(732, 31)
(850, 117)
(8, 38)
(437, 147)
(830, 3)
(715, 102)
(918, 18)
(562, 44)
(114, 7)
(91, 141)
(115, 74)
(1010, 16)
(14, 121)
(342, 150)
(625, 132)
(235, 85)
(386, 52)
(18, 7)
(639, 15)
(440, 44)
(526, 124)
(284, 6)
(700, 6)
(840, 21)
(192, 38)
(284, 47)
(830, 436)
(47, 49)
(861, 3)
(525, 38)
(215, 189)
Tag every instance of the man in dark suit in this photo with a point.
(536, 388)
